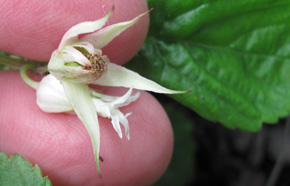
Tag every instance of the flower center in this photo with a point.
(98, 64)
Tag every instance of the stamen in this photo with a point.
(98, 64)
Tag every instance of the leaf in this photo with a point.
(233, 55)
(17, 171)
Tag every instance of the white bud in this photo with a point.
(51, 96)
(80, 63)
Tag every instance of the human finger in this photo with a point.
(33, 29)
(61, 146)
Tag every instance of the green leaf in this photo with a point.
(17, 171)
(2, 67)
(233, 55)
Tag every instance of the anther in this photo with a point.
(98, 64)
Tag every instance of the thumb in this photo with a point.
(33, 29)
(61, 146)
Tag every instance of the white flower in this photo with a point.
(77, 62)
(108, 106)
(52, 98)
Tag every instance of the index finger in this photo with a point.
(33, 29)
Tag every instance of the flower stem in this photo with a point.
(17, 62)
(13, 62)
(26, 79)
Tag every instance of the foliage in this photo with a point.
(17, 171)
(233, 55)
(180, 170)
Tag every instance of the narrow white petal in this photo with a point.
(81, 100)
(128, 114)
(130, 100)
(116, 124)
(125, 123)
(50, 96)
(106, 110)
(104, 97)
(82, 28)
(122, 99)
(102, 37)
(102, 108)
(86, 45)
(118, 76)
(70, 54)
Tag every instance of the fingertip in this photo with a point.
(144, 158)
(126, 45)
(33, 29)
(61, 146)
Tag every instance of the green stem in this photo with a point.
(18, 62)
(26, 79)
(6, 60)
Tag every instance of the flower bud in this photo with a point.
(80, 63)
(51, 96)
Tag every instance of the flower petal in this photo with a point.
(130, 100)
(70, 54)
(116, 124)
(102, 37)
(125, 99)
(108, 106)
(122, 99)
(102, 108)
(104, 97)
(81, 100)
(86, 45)
(82, 28)
(125, 123)
(50, 96)
(118, 76)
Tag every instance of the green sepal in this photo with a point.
(81, 100)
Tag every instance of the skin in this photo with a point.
(59, 143)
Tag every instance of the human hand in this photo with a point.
(59, 143)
